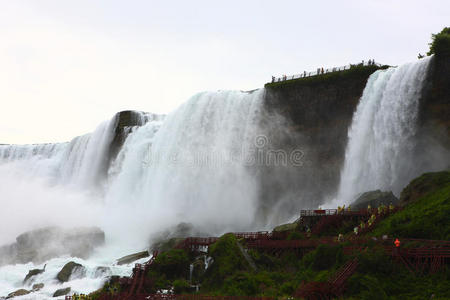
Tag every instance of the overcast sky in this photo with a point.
(65, 66)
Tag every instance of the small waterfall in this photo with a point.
(191, 270)
(381, 144)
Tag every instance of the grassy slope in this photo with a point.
(428, 216)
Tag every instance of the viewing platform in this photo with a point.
(319, 72)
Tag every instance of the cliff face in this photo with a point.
(434, 117)
(319, 111)
(434, 114)
(124, 121)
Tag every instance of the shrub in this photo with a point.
(374, 261)
(227, 261)
(365, 287)
(173, 264)
(295, 235)
(180, 286)
(440, 43)
(324, 257)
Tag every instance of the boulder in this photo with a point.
(374, 199)
(45, 243)
(17, 293)
(102, 271)
(132, 257)
(62, 292)
(36, 287)
(32, 273)
(70, 269)
(286, 227)
(166, 240)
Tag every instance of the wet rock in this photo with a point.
(32, 273)
(62, 292)
(198, 269)
(132, 257)
(374, 199)
(166, 240)
(45, 243)
(286, 227)
(17, 293)
(102, 271)
(36, 287)
(69, 270)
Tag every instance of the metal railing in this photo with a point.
(321, 71)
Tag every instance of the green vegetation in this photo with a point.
(378, 277)
(227, 260)
(108, 288)
(356, 71)
(440, 44)
(427, 215)
(169, 267)
(181, 286)
(426, 202)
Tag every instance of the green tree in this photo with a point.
(440, 42)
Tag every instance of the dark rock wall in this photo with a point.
(318, 113)
(124, 120)
(434, 117)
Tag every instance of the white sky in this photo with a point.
(67, 65)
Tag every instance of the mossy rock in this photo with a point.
(62, 292)
(132, 257)
(286, 227)
(374, 199)
(37, 286)
(17, 293)
(102, 271)
(67, 271)
(32, 273)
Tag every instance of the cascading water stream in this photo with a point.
(182, 169)
(380, 150)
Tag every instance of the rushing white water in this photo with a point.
(181, 170)
(381, 144)
(191, 166)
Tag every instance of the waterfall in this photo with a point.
(191, 270)
(191, 166)
(82, 163)
(380, 150)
